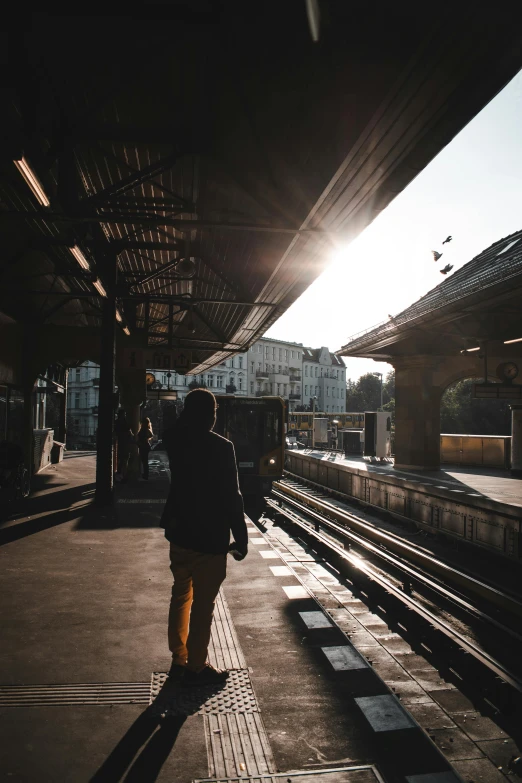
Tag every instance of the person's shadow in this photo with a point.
(157, 729)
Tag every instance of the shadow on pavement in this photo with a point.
(46, 510)
(158, 727)
(160, 736)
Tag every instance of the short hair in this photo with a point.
(200, 403)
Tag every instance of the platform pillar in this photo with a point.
(104, 441)
(516, 440)
(417, 415)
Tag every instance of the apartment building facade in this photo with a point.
(275, 367)
(82, 405)
(324, 377)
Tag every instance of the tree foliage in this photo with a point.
(365, 393)
(460, 414)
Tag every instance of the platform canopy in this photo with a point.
(478, 305)
(219, 149)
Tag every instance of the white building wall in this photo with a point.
(82, 404)
(275, 367)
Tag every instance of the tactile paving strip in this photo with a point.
(235, 695)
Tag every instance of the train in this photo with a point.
(303, 421)
(256, 427)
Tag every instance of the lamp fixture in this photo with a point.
(99, 287)
(126, 330)
(118, 316)
(470, 350)
(32, 180)
(186, 267)
(518, 340)
(77, 253)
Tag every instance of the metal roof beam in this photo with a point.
(157, 273)
(137, 178)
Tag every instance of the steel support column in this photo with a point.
(104, 447)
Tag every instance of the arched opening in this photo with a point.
(474, 431)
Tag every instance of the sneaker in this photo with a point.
(176, 672)
(207, 676)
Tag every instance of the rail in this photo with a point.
(337, 540)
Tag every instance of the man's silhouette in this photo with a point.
(203, 507)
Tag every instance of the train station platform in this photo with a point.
(490, 484)
(479, 506)
(317, 692)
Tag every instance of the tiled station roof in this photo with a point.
(498, 264)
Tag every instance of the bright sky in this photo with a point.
(471, 190)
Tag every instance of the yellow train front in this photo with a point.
(255, 425)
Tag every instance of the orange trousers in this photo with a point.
(197, 579)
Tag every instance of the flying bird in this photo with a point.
(448, 239)
(436, 255)
(446, 269)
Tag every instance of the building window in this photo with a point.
(280, 354)
(306, 370)
(240, 360)
(316, 373)
(306, 391)
(251, 387)
(240, 381)
(286, 355)
(292, 354)
(252, 366)
(298, 354)
(219, 381)
(266, 351)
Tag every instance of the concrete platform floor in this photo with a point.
(84, 598)
(496, 485)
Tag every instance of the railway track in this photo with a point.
(470, 627)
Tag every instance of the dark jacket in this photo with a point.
(204, 502)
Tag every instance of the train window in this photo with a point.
(271, 430)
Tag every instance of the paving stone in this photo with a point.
(384, 713)
(451, 700)
(431, 680)
(478, 727)
(314, 620)
(479, 771)
(369, 620)
(390, 671)
(409, 692)
(376, 655)
(431, 716)
(344, 658)
(434, 777)
(394, 644)
(413, 661)
(454, 744)
(500, 751)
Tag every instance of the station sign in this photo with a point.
(497, 391)
(179, 360)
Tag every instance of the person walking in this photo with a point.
(124, 438)
(203, 508)
(144, 437)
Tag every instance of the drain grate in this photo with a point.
(236, 695)
(74, 693)
(365, 773)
